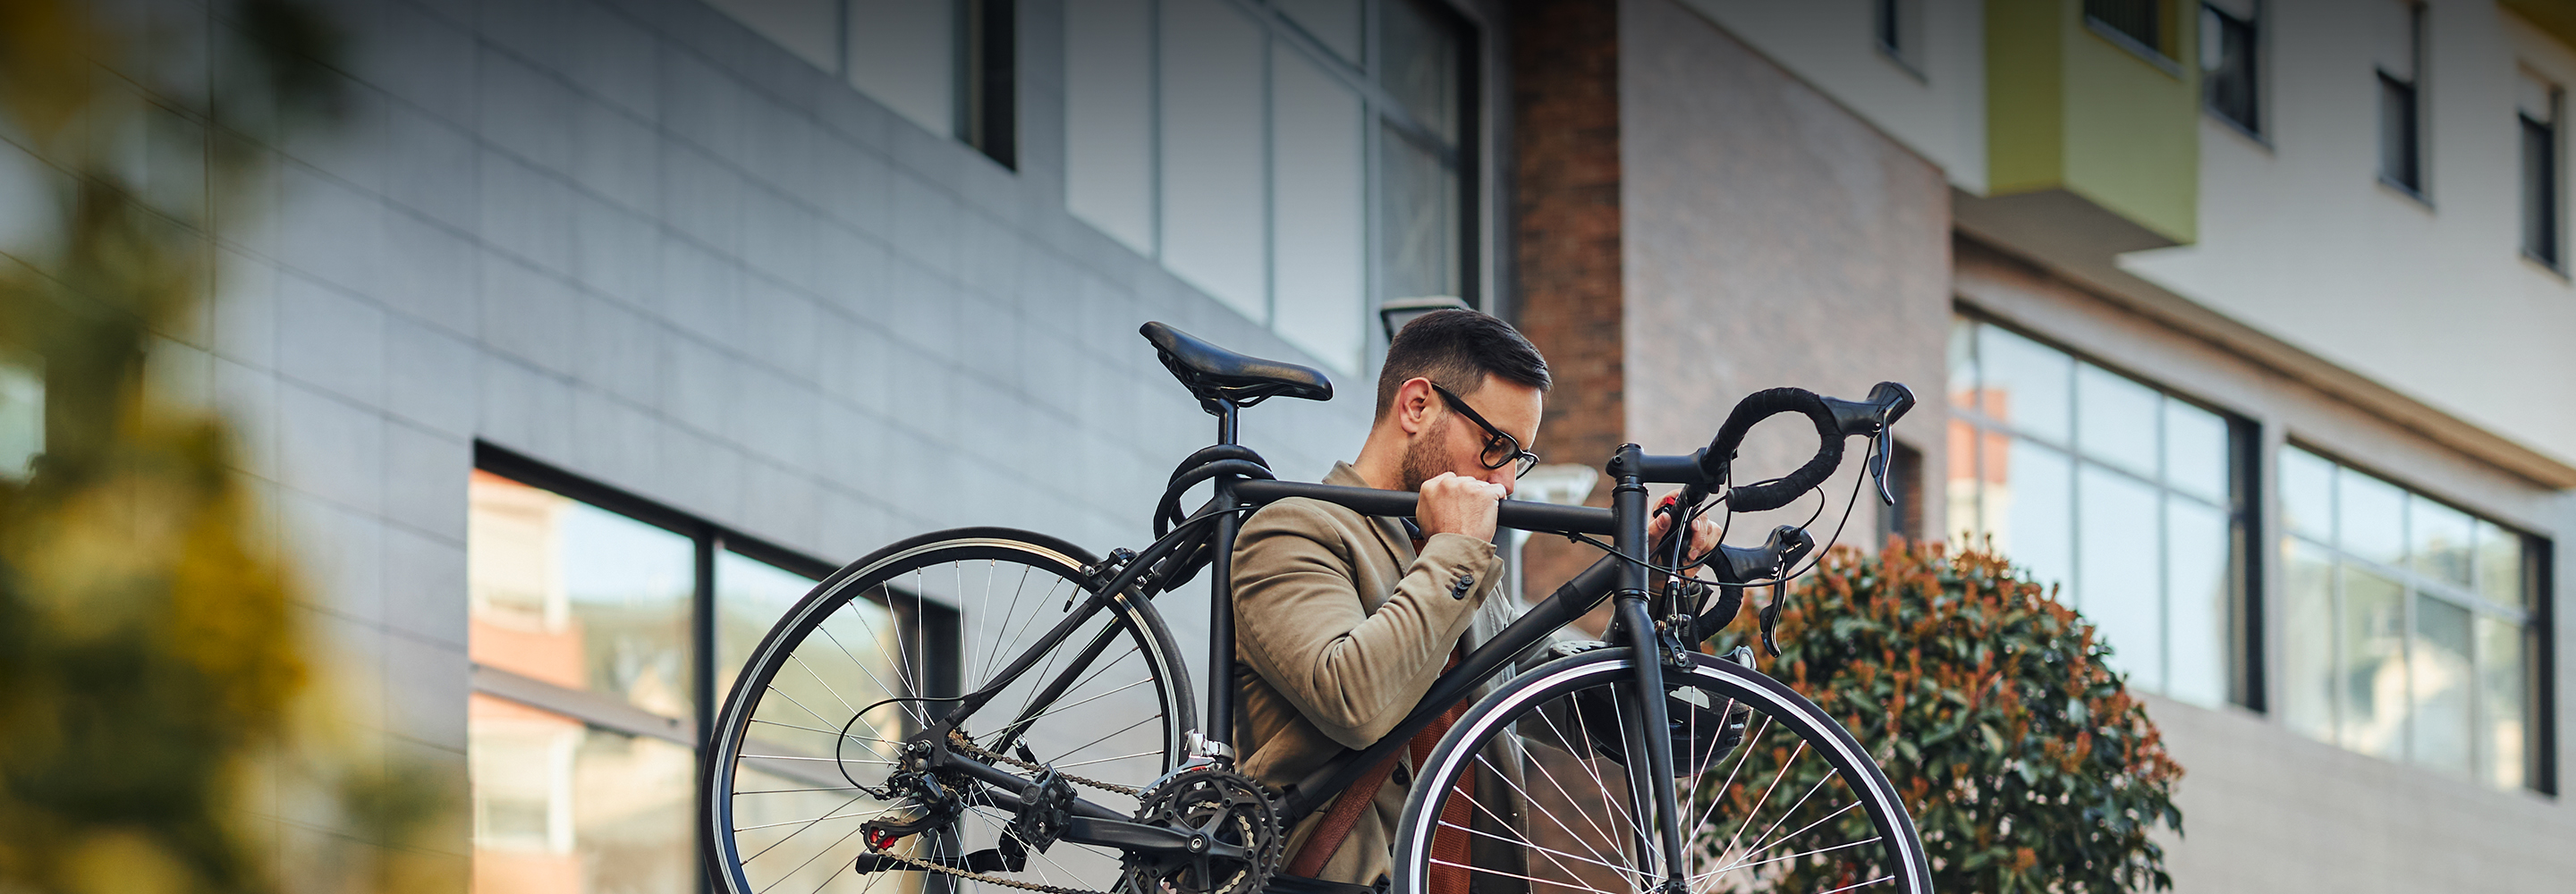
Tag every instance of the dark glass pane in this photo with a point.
(2397, 156)
(1420, 194)
(2138, 20)
(1890, 37)
(1421, 65)
(2230, 76)
(2539, 191)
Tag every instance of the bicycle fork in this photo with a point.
(1650, 746)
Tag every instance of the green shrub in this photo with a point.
(2024, 760)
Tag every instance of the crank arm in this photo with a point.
(1139, 837)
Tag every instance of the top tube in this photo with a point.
(1521, 515)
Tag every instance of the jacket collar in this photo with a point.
(1393, 532)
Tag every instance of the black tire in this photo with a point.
(1819, 814)
(793, 744)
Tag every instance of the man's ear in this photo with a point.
(1413, 405)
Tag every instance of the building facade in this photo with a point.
(2243, 313)
(603, 327)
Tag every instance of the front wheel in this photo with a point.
(1531, 791)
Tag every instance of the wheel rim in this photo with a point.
(1793, 805)
(807, 741)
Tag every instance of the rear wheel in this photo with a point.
(1775, 795)
(805, 748)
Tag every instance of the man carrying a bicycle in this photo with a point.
(1345, 620)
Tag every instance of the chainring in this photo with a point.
(1223, 805)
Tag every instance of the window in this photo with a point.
(2537, 112)
(2410, 629)
(2139, 23)
(948, 65)
(1297, 160)
(22, 414)
(1898, 26)
(2229, 59)
(2400, 58)
(603, 630)
(2126, 498)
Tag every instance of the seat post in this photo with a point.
(1225, 412)
(1217, 739)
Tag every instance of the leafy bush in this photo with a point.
(154, 692)
(2026, 764)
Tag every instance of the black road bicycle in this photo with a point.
(992, 709)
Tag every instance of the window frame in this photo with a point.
(2419, 167)
(1896, 31)
(2245, 676)
(2536, 619)
(2552, 240)
(1385, 116)
(2163, 51)
(708, 541)
(2255, 48)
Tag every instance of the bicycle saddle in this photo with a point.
(1215, 374)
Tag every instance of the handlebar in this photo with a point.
(1834, 420)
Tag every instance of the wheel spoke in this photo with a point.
(1098, 705)
(1742, 838)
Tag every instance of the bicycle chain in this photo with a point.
(987, 879)
(959, 741)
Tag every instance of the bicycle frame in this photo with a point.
(1611, 577)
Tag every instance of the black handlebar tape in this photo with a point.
(1761, 405)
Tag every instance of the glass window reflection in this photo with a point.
(2024, 384)
(2116, 420)
(2307, 493)
(2431, 630)
(2119, 586)
(2438, 672)
(2196, 601)
(2307, 642)
(2503, 669)
(2373, 663)
(2119, 492)
(573, 595)
(751, 595)
(2370, 517)
(2438, 539)
(563, 808)
(2196, 454)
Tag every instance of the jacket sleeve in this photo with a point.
(1300, 621)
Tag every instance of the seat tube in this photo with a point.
(1629, 508)
(1217, 736)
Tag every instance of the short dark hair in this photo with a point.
(1456, 349)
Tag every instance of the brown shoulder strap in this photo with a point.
(1339, 821)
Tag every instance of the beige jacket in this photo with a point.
(1342, 628)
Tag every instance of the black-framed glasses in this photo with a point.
(1500, 446)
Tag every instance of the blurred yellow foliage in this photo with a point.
(153, 686)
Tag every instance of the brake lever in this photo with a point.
(1878, 459)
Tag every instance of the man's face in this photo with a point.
(1454, 443)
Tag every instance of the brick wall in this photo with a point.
(1565, 76)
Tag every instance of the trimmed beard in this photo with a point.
(1424, 459)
